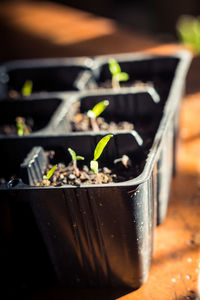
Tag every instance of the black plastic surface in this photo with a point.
(85, 223)
(131, 105)
(39, 110)
(159, 71)
(81, 217)
(47, 75)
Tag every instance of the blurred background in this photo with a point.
(31, 29)
(152, 16)
(65, 28)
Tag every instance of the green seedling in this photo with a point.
(95, 112)
(188, 28)
(50, 173)
(94, 166)
(74, 160)
(27, 88)
(22, 128)
(117, 74)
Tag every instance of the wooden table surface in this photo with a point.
(50, 30)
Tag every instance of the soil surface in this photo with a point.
(81, 122)
(63, 174)
(14, 94)
(8, 130)
(137, 83)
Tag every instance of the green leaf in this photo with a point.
(114, 67)
(21, 126)
(94, 166)
(98, 109)
(72, 153)
(27, 88)
(101, 145)
(123, 76)
(20, 129)
(50, 173)
(188, 28)
(80, 157)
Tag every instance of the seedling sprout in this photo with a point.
(188, 28)
(74, 160)
(27, 88)
(94, 166)
(50, 173)
(117, 74)
(95, 112)
(22, 128)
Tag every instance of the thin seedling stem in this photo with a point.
(94, 125)
(77, 172)
(115, 83)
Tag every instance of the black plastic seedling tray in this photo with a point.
(56, 110)
(150, 69)
(85, 210)
(17, 194)
(89, 230)
(134, 105)
(167, 74)
(137, 199)
(47, 75)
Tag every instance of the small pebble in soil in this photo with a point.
(71, 177)
(13, 94)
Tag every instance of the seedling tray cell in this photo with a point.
(38, 110)
(134, 105)
(157, 70)
(95, 225)
(47, 75)
(107, 231)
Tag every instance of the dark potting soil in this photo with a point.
(81, 122)
(14, 94)
(137, 83)
(67, 175)
(8, 130)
